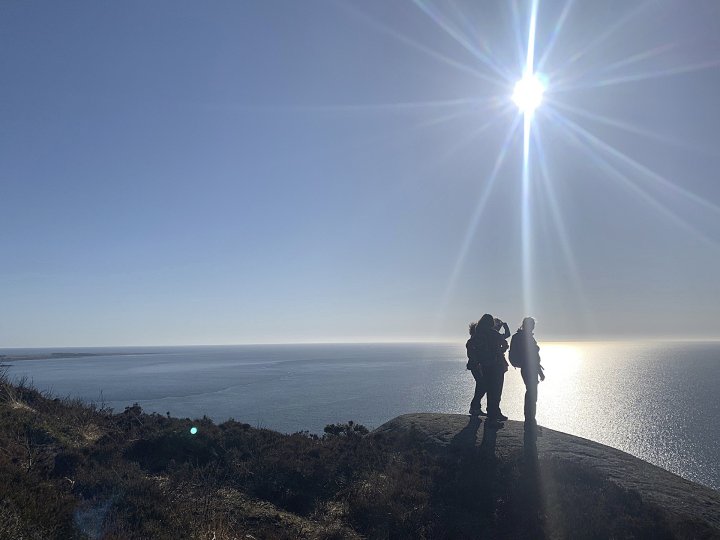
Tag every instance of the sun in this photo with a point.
(528, 93)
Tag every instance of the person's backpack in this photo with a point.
(517, 354)
(471, 354)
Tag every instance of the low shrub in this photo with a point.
(68, 470)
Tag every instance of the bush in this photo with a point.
(70, 471)
(350, 429)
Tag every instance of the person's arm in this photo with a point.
(506, 331)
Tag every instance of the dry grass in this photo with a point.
(70, 470)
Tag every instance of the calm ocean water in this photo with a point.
(657, 401)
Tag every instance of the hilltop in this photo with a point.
(607, 488)
(75, 470)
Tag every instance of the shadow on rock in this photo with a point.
(466, 437)
(530, 448)
(489, 440)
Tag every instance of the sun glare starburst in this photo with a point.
(528, 93)
(532, 90)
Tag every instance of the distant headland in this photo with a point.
(5, 358)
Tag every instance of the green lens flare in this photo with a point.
(193, 430)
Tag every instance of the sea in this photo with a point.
(655, 400)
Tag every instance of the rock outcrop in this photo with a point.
(691, 509)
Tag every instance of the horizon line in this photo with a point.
(406, 341)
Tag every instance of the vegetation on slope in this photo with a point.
(75, 470)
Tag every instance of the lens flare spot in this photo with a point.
(193, 430)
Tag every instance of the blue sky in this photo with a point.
(280, 171)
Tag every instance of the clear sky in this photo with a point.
(182, 172)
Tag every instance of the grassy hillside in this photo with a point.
(74, 470)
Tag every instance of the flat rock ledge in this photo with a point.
(446, 433)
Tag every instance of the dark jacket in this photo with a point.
(486, 347)
(478, 349)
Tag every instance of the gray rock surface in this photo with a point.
(684, 499)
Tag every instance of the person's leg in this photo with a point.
(494, 387)
(480, 388)
(500, 384)
(530, 401)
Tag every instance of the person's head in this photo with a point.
(486, 322)
(528, 324)
(472, 327)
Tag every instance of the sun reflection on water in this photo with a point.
(563, 355)
(561, 362)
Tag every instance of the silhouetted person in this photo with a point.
(495, 370)
(473, 353)
(501, 364)
(488, 345)
(525, 354)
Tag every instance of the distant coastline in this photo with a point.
(4, 358)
